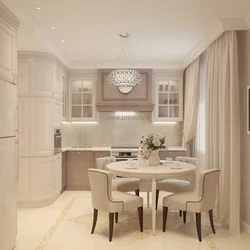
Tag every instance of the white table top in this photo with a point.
(158, 172)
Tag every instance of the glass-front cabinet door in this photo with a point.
(82, 99)
(168, 100)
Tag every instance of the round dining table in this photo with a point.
(166, 170)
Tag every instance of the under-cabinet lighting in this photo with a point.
(169, 122)
(83, 122)
(124, 113)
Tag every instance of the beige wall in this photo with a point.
(244, 75)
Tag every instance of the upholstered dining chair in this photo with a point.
(119, 184)
(201, 201)
(112, 202)
(176, 185)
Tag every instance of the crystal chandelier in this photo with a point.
(125, 79)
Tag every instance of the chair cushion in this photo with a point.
(130, 201)
(182, 201)
(125, 184)
(173, 185)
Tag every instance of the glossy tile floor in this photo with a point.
(66, 225)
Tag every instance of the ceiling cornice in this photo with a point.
(37, 55)
(204, 43)
(25, 17)
(9, 17)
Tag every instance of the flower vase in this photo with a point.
(154, 159)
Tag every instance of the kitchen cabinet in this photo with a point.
(77, 163)
(168, 98)
(173, 154)
(82, 99)
(98, 154)
(64, 99)
(63, 171)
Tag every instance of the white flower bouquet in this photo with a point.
(151, 143)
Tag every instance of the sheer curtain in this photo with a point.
(223, 125)
(191, 102)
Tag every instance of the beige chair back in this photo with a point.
(209, 180)
(190, 160)
(101, 191)
(102, 162)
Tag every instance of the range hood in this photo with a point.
(110, 99)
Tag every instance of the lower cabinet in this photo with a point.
(77, 163)
(63, 171)
(173, 154)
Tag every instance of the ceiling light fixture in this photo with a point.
(75, 58)
(38, 8)
(124, 78)
(62, 41)
(69, 50)
(53, 27)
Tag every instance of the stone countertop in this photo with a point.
(109, 149)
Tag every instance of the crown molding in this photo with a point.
(37, 55)
(204, 43)
(235, 23)
(8, 16)
(168, 72)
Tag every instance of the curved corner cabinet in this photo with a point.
(40, 89)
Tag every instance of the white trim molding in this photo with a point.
(245, 226)
(9, 17)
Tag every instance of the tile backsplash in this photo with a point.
(119, 129)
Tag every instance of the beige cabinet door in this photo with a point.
(98, 154)
(63, 171)
(77, 163)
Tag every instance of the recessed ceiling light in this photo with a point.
(75, 58)
(170, 58)
(38, 8)
(138, 58)
(53, 27)
(107, 58)
(69, 50)
(62, 41)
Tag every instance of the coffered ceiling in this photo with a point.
(164, 33)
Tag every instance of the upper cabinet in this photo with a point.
(82, 99)
(168, 97)
(8, 48)
(65, 99)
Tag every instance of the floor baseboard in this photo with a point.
(245, 226)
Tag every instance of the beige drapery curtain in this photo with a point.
(223, 125)
(192, 93)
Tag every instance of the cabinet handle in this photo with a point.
(101, 155)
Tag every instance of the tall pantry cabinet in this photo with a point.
(40, 81)
(8, 129)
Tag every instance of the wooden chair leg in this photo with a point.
(95, 215)
(165, 215)
(211, 218)
(111, 225)
(180, 213)
(157, 198)
(198, 225)
(116, 217)
(140, 213)
(137, 192)
(184, 216)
